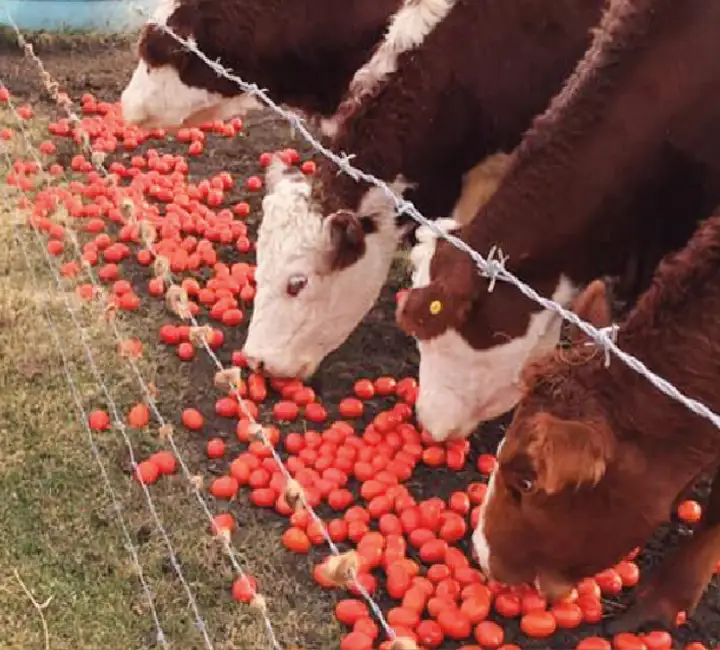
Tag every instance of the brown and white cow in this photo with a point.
(596, 457)
(624, 162)
(302, 52)
(470, 89)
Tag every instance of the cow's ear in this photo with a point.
(345, 239)
(593, 306)
(446, 301)
(569, 453)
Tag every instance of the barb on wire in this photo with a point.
(491, 268)
(161, 639)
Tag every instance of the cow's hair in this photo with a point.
(407, 30)
(445, 108)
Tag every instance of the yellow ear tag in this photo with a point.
(435, 307)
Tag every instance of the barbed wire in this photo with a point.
(83, 416)
(257, 430)
(492, 267)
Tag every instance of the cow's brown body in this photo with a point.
(596, 457)
(471, 89)
(620, 168)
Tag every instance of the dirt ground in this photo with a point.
(56, 525)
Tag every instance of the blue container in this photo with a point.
(113, 16)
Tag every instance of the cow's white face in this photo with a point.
(156, 96)
(308, 301)
(459, 386)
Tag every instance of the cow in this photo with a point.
(302, 52)
(596, 457)
(469, 90)
(623, 163)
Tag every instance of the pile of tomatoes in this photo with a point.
(410, 552)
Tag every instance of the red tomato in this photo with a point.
(689, 511)
(215, 448)
(385, 386)
(356, 641)
(658, 640)
(398, 580)
(628, 641)
(489, 635)
(99, 421)
(296, 540)
(486, 463)
(629, 573)
(244, 588)
(165, 461)
(147, 472)
(454, 624)
(430, 634)
(349, 611)
(567, 615)
(476, 608)
(192, 419)
(224, 487)
(609, 582)
(538, 624)
(364, 389)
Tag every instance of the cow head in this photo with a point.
(473, 343)
(568, 497)
(317, 275)
(172, 87)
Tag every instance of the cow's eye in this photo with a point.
(296, 283)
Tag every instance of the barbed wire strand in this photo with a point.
(259, 604)
(491, 267)
(120, 425)
(258, 429)
(83, 416)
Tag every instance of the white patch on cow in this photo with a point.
(289, 335)
(157, 98)
(163, 10)
(408, 28)
(481, 546)
(459, 386)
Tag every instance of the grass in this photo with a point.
(59, 533)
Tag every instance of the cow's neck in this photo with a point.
(673, 332)
(583, 162)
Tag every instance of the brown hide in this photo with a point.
(618, 452)
(470, 90)
(303, 52)
(613, 172)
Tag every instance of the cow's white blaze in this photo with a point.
(158, 98)
(408, 28)
(480, 542)
(291, 335)
(459, 386)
